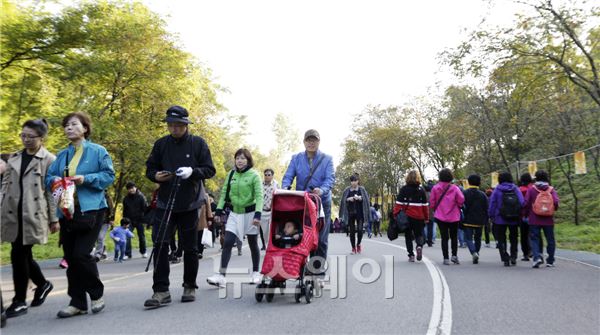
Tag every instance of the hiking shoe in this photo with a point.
(189, 294)
(41, 293)
(446, 261)
(411, 258)
(419, 253)
(70, 311)
(97, 305)
(353, 251)
(537, 263)
(158, 299)
(255, 278)
(513, 261)
(455, 260)
(475, 258)
(217, 280)
(17, 308)
(506, 263)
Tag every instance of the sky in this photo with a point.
(321, 62)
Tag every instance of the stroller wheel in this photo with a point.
(298, 293)
(308, 292)
(271, 291)
(259, 292)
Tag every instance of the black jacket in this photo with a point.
(475, 207)
(134, 206)
(169, 154)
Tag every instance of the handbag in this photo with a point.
(207, 238)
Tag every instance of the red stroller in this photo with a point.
(287, 262)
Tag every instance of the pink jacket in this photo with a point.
(449, 208)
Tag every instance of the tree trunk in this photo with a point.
(567, 174)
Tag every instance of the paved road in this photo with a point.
(390, 296)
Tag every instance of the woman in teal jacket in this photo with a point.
(91, 169)
(243, 186)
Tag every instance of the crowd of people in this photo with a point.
(179, 163)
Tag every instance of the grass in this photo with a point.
(52, 250)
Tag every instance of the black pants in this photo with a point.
(487, 228)
(376, 227)
(82, 273)
(139, 226)
(262, 237)
(448, 230)
(525, 245)
(414, 231)
(230, 240)
(502, 244)
(24, 267)
(187, 223)
(355, 223)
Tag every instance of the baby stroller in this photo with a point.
(289, 262)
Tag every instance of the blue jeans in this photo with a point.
(120, 250)
(469, 233)
(428, 232)
(461, 237)
(535, 237)
(323, 236)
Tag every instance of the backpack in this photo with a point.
(511, 207)
(544, 203)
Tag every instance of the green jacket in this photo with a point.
(245, 191)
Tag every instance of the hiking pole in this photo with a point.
(162, 227)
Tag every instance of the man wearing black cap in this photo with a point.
(314, 173)
(134, 207)
(187, 157)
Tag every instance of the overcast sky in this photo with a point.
(320, 62)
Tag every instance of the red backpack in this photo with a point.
(544, 203)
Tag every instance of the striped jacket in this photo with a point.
(413, 199)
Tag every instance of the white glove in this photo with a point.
(184, 172)
(117, 239)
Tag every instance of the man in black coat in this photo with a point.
(179, 162)
(134, 208)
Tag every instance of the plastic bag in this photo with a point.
(207, 238)
(63, 191)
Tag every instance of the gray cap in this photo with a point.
(312, 133)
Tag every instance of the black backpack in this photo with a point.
(511, 207)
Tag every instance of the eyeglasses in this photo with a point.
(27, 137)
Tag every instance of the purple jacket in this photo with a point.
(530, 197)
(496, 203)
(448, 209)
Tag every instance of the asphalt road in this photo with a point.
(376, 292)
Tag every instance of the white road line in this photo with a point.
(441, 311)
(578, 262)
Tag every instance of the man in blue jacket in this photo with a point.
(314, 173)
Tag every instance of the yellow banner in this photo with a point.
(580, 167)
(532, 167)
(494, 179)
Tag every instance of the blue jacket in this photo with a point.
(323, 177)
(121, 233)
(95, 166)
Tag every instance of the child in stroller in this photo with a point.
(289, 237)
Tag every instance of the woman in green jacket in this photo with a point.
(243, 187)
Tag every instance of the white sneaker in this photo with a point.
(125, 257)
(217, 280)
(255, 278)
(145, 255)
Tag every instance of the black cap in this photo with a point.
(177, 114)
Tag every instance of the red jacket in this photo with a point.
(413, 199)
